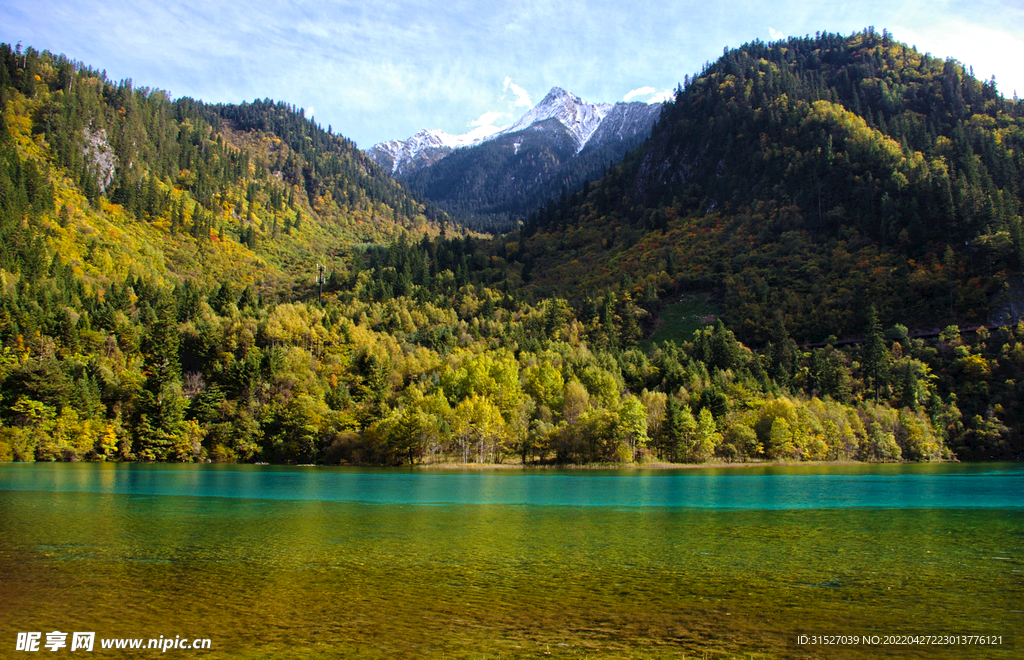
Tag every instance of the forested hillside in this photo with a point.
(798, 184)
(158, 302)
(241, 181)
(814, 176)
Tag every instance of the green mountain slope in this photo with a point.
(157, 302)
(800, 184)
(817, 177)
(250, 191)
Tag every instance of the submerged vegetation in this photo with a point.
(159, 296)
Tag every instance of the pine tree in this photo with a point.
(161, 421)
(781, 353)
(876, 356)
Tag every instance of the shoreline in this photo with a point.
(531, 466)
(636, 466)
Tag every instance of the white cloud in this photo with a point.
(653, 95)
(662, 96)
(313, 29)
(487, 119)
(480, 133)
(522, 98)
(402, 70)
(639, 91)
(308, 112)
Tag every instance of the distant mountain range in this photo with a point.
(492, 179)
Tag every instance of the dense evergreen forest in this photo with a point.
(816, 176)
(159, 289)
(798, 184)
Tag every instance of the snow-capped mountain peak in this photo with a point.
(424, 148)
(579, 117)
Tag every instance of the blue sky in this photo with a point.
(382, 70)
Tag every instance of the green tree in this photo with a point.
(781, 443)
(633, 426)
(875, 363)
(545, 384)
(706, 438)
(678, 432)
(781, 352)
(162, 407)
(575, 401)
(477, 420)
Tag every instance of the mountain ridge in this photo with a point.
(492, 182)
(581, 119)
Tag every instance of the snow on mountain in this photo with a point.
(425, 148)
(624, 122)
(405, 156)
(581, 119)
(578, 116)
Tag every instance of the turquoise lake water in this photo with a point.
(309, 562)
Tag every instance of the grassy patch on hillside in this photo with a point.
(679, 320)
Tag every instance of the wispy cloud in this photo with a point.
(386, 70)
(662, 96)
(639, 91)
(488, 119)
(652, 95)
(521, 97)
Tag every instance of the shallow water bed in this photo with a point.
(306, 577)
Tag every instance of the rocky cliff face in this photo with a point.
(624, 122)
